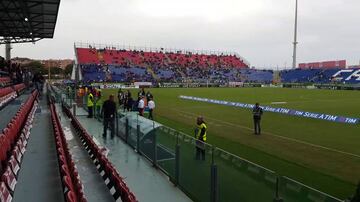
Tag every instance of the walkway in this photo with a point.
(39, 177)
(147, 183)
(94, 186)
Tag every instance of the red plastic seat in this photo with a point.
(14, 165)
(17, 154)
(71, 197)
(5, 195)
(21, 145)
(9, 178)
(67, 184)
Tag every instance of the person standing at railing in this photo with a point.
(109, 113)
(257, 113)
(121, 98)
(90, 104)
(141, 105)
(200, 135)
(98, 103)
(151, 105)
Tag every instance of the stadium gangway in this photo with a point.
(222, 176)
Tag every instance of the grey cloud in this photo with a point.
(262, 33)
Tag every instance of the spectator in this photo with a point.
(109, 113)
(141, 93)
(120, 97)
(257, 113)
(151, 105)
(90, 104)
(200, 136)
(149, 96)
(38, 80)
(141, 105)
(129, 104)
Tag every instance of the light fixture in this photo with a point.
(26, 19)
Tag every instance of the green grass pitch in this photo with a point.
(321, 154)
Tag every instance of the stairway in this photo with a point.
(149, 69)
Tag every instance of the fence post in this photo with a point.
(213, 180)
(155, 147)
(138, 138)
(177, 160)
(126, 129)
(117, 125)
(277, 198)
(74, 109)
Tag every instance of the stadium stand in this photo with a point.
(13, 143)
(160, 59)
(98, 65)
(320, 75)
(111, 65)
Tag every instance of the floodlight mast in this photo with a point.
(295, 35)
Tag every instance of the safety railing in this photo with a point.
(220, 176)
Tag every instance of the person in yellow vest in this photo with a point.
(90, 104)
(200, 135)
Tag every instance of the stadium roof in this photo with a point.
(27, 20)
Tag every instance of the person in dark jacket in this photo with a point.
(38, 80)
(109, 113)
(257, 113)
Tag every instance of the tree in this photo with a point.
(56, 70)
(68, 70)
(36, 66)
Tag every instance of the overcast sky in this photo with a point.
(259, 30)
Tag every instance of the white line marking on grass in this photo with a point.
(279, 136)
(278, 103)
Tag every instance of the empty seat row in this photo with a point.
(13, 142)
(72, 186)
(9, 93)
(6, 95)
(4, 81)
(19, 87)
(111, 177)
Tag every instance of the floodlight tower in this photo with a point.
(295, 35)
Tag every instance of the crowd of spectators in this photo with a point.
(113, 73)
(109, 64)
(14, 71)
(161, 59)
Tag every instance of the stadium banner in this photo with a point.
(326, 117)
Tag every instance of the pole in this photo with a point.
(295, 35)
(8, 50)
